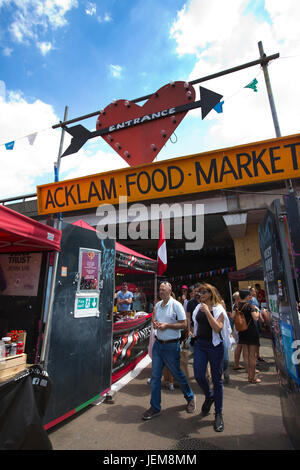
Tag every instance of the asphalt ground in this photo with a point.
(252, 417)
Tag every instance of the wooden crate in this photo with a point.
(12, 365)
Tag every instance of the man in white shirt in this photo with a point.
(169, 319)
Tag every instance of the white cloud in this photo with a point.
(107, 18)
(7, 51)
(91, 9)
(88, 163)
(22, 165)
(200, 23)
(115, 71)
(2, 91)
(31, 18)
(104, 19)
(27, 166)
(44, 47)
(222, 35)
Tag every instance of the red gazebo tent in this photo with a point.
(19, 233)
(127, 260)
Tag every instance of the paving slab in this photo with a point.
(252, 417)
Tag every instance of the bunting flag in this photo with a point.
(31, 138)
(252, 85)
(214, 272)
(219, 107)
(162, 250)
(10, 145)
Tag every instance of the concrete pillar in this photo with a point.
(246, 243)
(236, 224)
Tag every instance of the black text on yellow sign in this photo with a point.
(259, 162)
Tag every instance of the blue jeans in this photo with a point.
(204, 352)
(167, 355)
(226, 359)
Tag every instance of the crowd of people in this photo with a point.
(198, 317)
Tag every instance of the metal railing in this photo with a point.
(18, 198)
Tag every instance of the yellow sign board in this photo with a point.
(258, 162)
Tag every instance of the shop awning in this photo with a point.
(127, 260)
(253, 272)
(19, 233)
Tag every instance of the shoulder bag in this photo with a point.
(240, 322)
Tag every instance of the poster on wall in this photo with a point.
(287, 336)
(279, 289)
(89, 270)
(20, 273)
(88, 287)
(292, 205)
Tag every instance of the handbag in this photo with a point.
(240, 322)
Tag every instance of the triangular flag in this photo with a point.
(31, 138)
(219, 107)
(252, 85)
(10, 145)
(162, 250)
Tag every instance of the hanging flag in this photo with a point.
(162, 250)
(219, 107)
(10, 145)
(31, 138)
(252, 85)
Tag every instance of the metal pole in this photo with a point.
(61, 142)
(155, 290)
(57, 163)
(269, 90)
(45, 346)
(264, 64)
(263, 60)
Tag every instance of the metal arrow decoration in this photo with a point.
(80, 135)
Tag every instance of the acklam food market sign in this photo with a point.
(258, 162)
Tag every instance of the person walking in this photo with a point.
(212, 330)
(238, 348)
(249, 339)
(255, 302)
(170, 318)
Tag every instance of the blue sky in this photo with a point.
(85, 54)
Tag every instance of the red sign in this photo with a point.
(141, 143)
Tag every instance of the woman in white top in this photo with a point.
(212, 333)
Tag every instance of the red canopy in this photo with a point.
(131, 256)
(19, 233)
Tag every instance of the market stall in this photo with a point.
(131, 331)
(24, 254)
(58, 287)
(252, 272)
(25, 247)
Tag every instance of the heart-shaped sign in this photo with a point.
(138, 133)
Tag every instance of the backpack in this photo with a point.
(240, 322)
